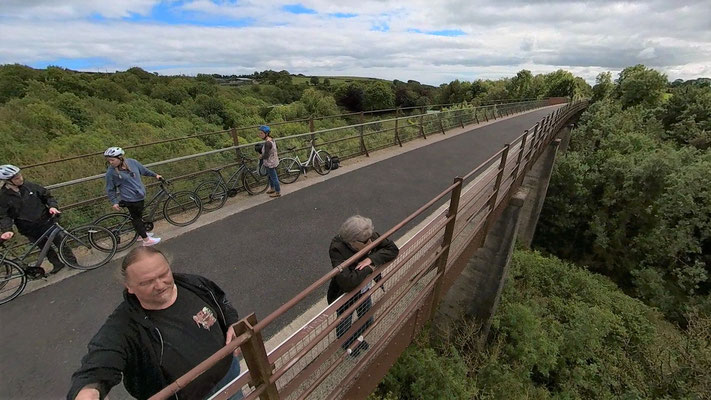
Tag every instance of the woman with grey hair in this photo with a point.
(355, 234)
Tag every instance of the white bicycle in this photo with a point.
(290, 168)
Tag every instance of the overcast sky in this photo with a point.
(432, 41)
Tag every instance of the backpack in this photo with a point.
(333, 163)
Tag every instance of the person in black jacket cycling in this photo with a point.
(354, 235)
(31, 208)
(166, 325)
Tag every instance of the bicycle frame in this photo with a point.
(49, 234)
(313, 153)
(233, 182)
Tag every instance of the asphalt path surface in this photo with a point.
(261, 257)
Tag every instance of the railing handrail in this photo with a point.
(274, 123)
(241, 146)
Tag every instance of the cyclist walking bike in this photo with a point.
(179, 208)
(86, 247)
(30, 207)
(125, 189)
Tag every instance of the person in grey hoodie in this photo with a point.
(125, 188)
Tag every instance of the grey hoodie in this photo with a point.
(127, 185)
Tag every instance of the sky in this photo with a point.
(430, 41)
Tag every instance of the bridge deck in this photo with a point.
(262, 257)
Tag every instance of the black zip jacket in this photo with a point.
(350, 278)
(27, 208)
(129, 344)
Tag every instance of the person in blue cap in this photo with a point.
(270, 159)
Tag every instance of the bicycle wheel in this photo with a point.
(87, 247)
(253, 182)
(182, 208)
(288, 170)
(213, 195)
(12, 281)
(120, 225)
(322, 162)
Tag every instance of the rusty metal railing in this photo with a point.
(84, 196)
(317, 360)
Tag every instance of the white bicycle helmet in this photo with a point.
(114, 152)
(7, 171)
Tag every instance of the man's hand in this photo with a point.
(7, 235)
(54, 211)
(365, 263)
(88, 393)
(159, 177)
(116, 207)
(231, 335)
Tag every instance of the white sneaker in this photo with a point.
(149, 234)
(150, 241)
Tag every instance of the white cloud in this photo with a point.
(583, 37)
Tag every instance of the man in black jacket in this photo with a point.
(166, 325)
(355, 234)
(31, 208)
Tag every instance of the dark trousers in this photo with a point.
(36, 230)
(135, 209)
(345, 325)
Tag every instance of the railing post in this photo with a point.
(255, 355)
(493, 109)
(475, 116)
(311, 126)
(520, 155)
(461, 120)
(397, 118)
(235, 141)
(497, 185)
(363, 148)
(439, 118)
(446, 243)
(486, 116)
(422, 124)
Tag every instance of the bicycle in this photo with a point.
(86, 247)
(214, 193)
(290, 168)
(180, 208)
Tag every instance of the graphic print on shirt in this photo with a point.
(205, 318)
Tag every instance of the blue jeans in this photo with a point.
(231, 374)
(273, 179)
(345, 325)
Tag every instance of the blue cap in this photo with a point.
(265, 129)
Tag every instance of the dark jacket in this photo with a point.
(129, 344)
(350, 278)
(27, 208)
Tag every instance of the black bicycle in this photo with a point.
(214, 193)
(86, 247)
(180, 208)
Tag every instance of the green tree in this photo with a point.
(603, 86)
(317, 103)
(314, 80)
(521, 85)
(379, 96)
(351, 96)
(560, 83)
(640, 85)
(687, 115)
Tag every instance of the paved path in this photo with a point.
(262, 257)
